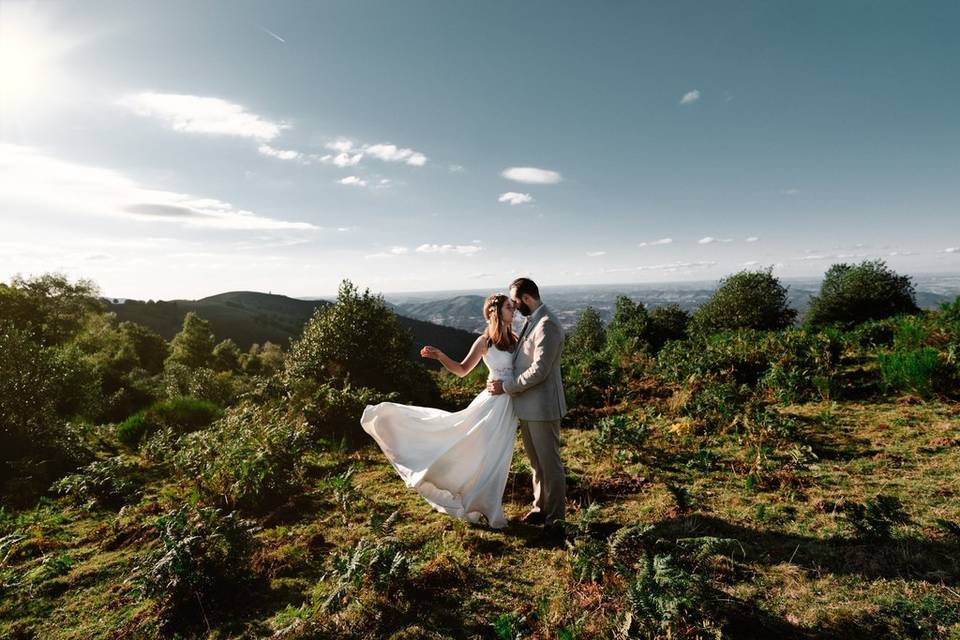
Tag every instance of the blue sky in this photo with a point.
(180, 149)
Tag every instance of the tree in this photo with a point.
(668, 322)
(49, 307)
(150, 347)
(851, 294)
(588, 335)
(629, 327)
(226, 356)
(360, 341)
(745, 300)
(193, 346)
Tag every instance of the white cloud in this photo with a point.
(710, 240)
(789, 192)
(392, 153)
(393, 252)
(596, 254)
(512, 197)
(281, 154)
(353, 181)
(751, 239)
(667, 266)
(952, 250)
(461, 249)
(690, 97)
(656, 242)
(30, 179)
(748, 263)
(456, 168)
(531, 175)
(200, 114)
(342, 145)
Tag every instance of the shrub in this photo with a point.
(666, 323)
(360, 341)
(745, 300)
(377, 560)
(250, 459)
(619, 435)
(853, 294)
(202, 556)
(335, 412)
(589, 378)
(182, 415)
(664, 598)
(108, 483)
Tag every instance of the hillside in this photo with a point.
(249, 317)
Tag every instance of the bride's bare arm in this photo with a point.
(463, 367)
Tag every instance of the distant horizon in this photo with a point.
(437, 293)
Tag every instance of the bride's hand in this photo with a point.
(430, 352)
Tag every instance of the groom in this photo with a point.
(538, 399)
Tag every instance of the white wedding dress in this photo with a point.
(457, 461)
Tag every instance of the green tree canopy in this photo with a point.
(745, 300)
(49, 307)
(588, 335)
(629, 327)
(854, 293)
(193, 346)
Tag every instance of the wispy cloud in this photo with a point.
(354, 181)
(596, 254)
(282, 154)
(751, 239)
(28, 177)
(460, 249)
(531, 175)
(393, 252)
(202, 114)
(690, 97)
(512, 197)
(789, 192)
(655, 243)
(952, 250)
(271, 34)
(666, 267)
(456, 168)
(711, 240)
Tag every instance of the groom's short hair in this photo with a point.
(526, 286)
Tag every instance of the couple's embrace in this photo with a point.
(459, 461)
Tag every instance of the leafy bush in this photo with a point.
(182, 415)
(664, 598)
(40, 388)
(359, 341)
(619, 435)
(335, 412)
(853, 294)
(109, 483)
(250, 459)
(202, 556)
(589, 378)
(49, 309)
(745, 300)
(588, 553)
(666, 323)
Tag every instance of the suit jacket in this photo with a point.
(536, 386)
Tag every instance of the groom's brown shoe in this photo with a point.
(532, 517)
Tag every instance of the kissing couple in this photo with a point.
(459, 461)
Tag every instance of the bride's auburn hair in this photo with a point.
(498, 332)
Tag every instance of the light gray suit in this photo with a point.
(538, 399)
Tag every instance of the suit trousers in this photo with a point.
(541, 440)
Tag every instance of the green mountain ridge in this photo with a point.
(249, 317)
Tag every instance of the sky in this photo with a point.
(180, 149)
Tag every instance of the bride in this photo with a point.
(457, 461)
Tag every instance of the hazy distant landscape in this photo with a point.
(461, 309)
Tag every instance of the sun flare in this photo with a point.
(28, 57)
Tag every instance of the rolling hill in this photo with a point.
(249, 317)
